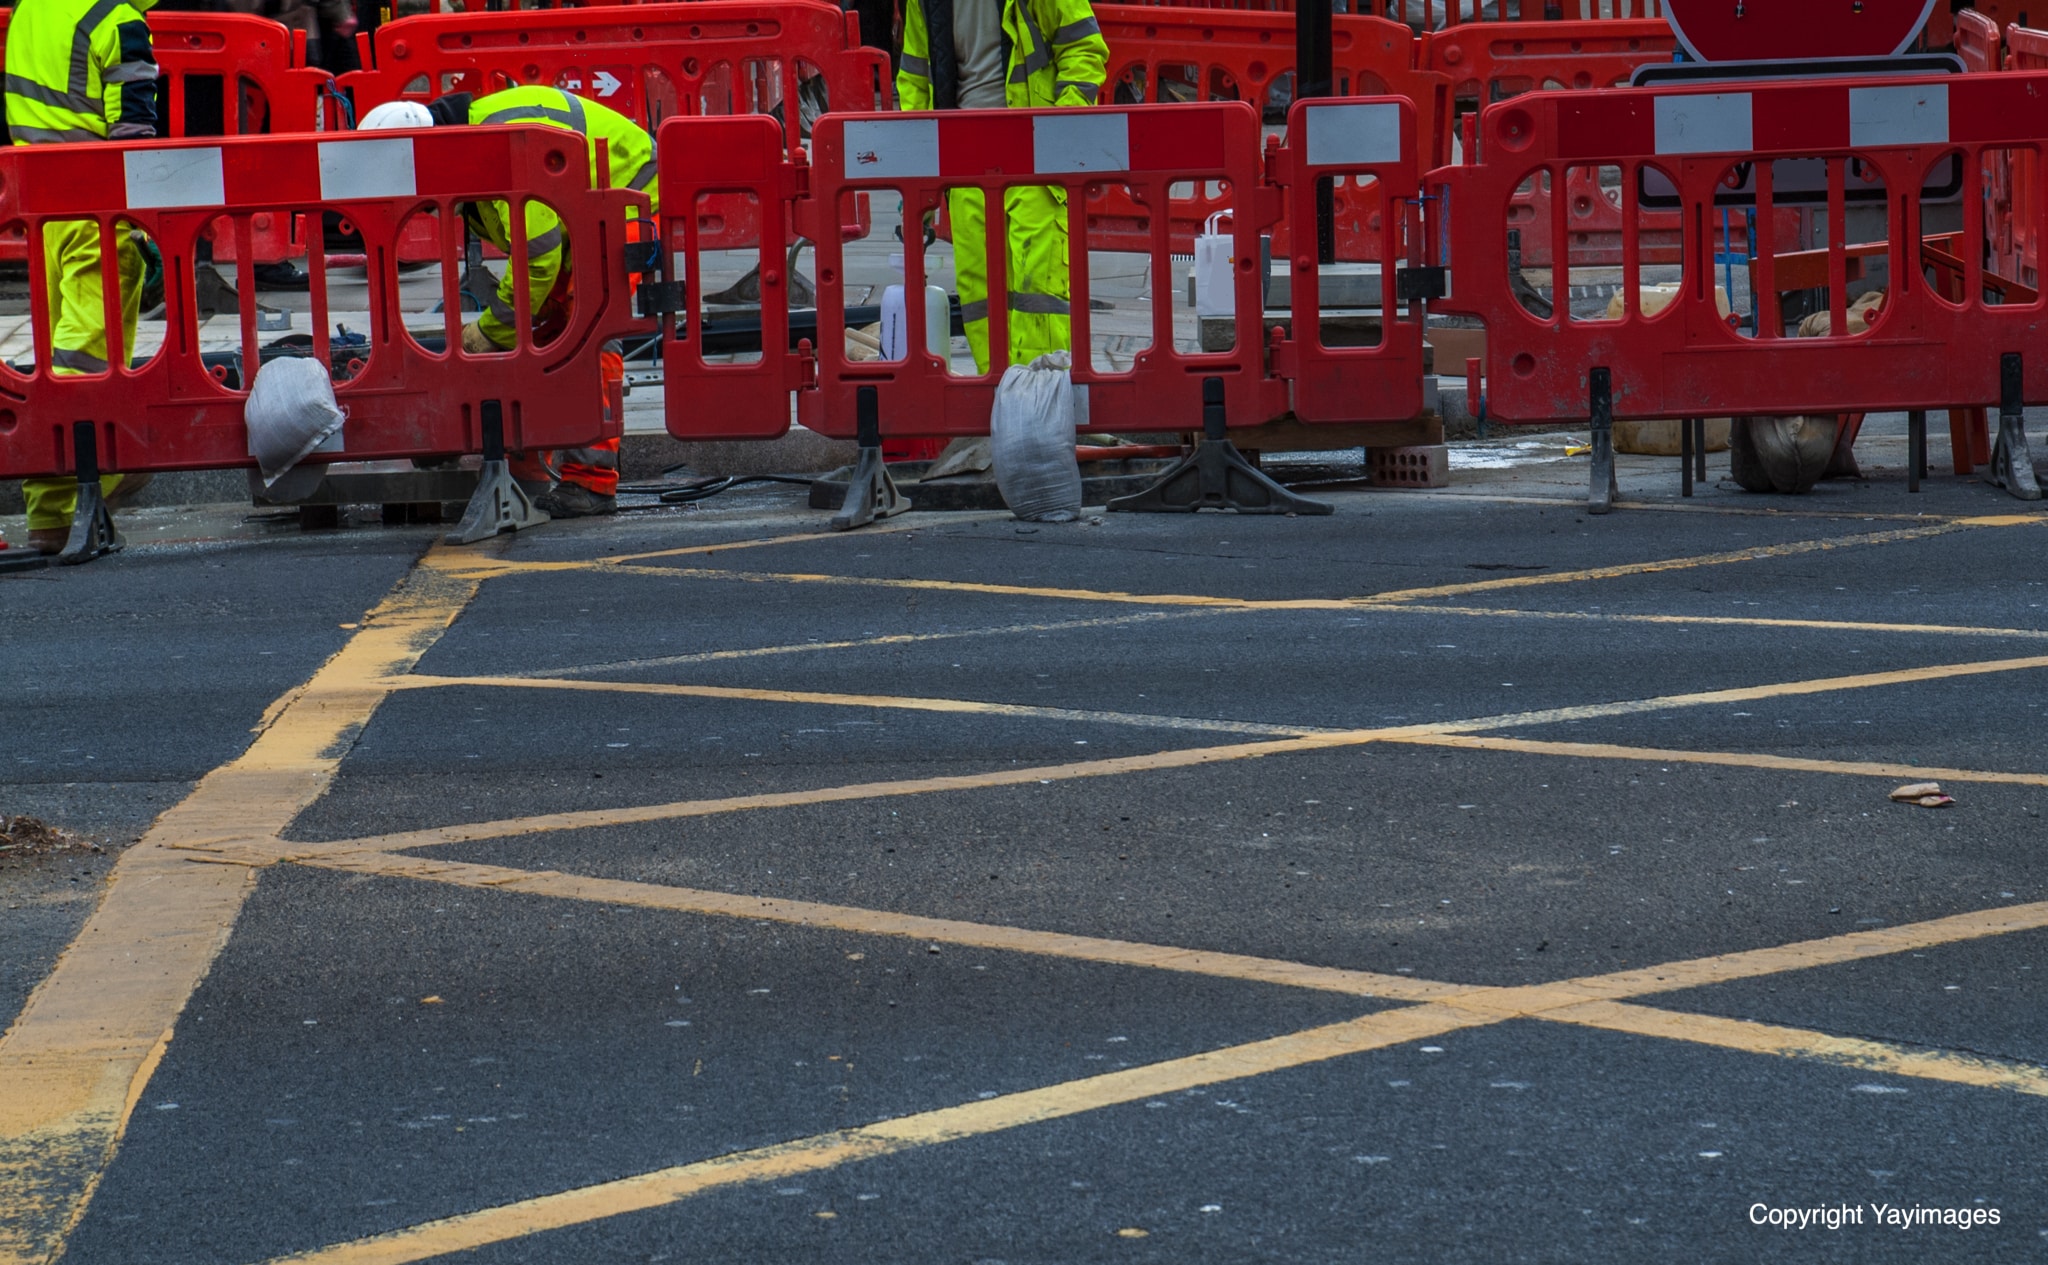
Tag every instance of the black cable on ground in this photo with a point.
(698, 489)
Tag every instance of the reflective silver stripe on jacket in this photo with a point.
(19, 86)
(1082, 86)
(643, 177)
(51, 135)
(1074, 31)
(550, 240)
(133, 72)
(573, 115)
(82, 361)
(502, 310)
(914, 66)
(1026, 301)
(1039, 57)
(81, 44)
(602, 458)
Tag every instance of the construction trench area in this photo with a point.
(1488, 712)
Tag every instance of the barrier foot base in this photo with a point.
(499, 504)
(2012, 458)
(92, 525)
(1216, 476)
(1605, 489)
(93, 533)
(870, 493)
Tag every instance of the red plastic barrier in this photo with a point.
(1488, 62)
(1431, 15)
(1217, 55)
(649, 62)
(1930, 347)
(918, 157)
(2020, 258)
(174, 412)
(1369, 145)
(261, 84)
(1978, 43)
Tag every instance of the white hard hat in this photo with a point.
(394, 114)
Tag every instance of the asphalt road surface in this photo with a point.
(1456, 878)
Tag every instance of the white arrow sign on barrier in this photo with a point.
(606, 83)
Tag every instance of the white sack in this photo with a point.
(1031, 438)
(290, 412)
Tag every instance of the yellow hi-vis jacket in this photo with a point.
(1056, 56)
(630, 151)
(80, 70)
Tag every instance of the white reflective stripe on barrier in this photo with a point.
(1916, 114)
(1081, 142)
(1354, 135)
(377, 168)
(892, 147)
(1706, 123)
(159, 178)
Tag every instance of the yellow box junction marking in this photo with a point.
(80, 1052)
(79, 1055)
(1577, 1002)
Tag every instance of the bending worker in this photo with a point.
(587, 479)
(987, 54)
(77, 70)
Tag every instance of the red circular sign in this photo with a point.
(1759, 30)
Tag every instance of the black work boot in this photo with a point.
(573, 500)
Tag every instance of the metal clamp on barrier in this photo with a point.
(1936, 339)
(407, 392)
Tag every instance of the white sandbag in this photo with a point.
(1031, 438)
(291, 411)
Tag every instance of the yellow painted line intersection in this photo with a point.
(80, 1054)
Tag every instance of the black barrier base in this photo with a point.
(2012, 458)
(1216, 476)
(871, 493)
(499, 504)
(93, 533)
(1605, 490)
(22, 560)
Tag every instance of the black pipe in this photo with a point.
(1314, 76)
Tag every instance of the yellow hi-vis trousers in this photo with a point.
(1035, 234)
(78, 336)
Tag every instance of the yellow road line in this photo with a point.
(855, 643)
(593, 818)
(1463, 1010)
(929, 1128)
(1732, 759)
(956, 706)
(484, 566)
(79, 1054)
(1757, 553)
(1731, 621)
(1170, 759)
(1527, 1001)
(952, 931)
(1797, 1043)
(1671, 507)
(1854, 946)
